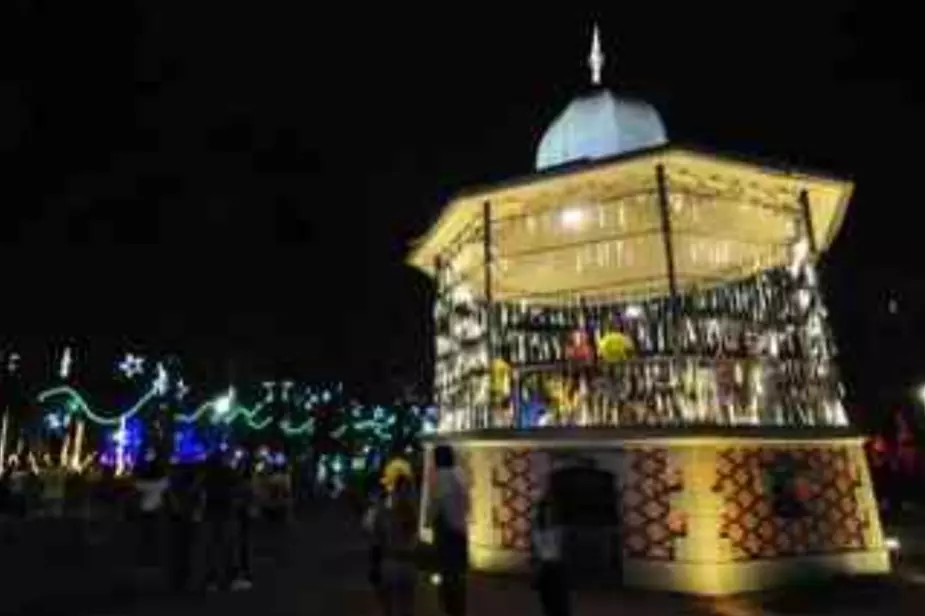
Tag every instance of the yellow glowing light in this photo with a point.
(614, 347)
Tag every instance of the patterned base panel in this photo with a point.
(516, 480)
(789, 502)
(650, 527)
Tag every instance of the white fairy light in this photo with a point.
(224, 404)
(64, 369)
(269, 391)
(182, 389)
(12, 362)
(572, 218)
(596, 57)
(161, 381)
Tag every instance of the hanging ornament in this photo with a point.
(578, 348)
(614, 347)
(500, 376)
(562, 394)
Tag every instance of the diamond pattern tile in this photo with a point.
(831, 520)
(516, 481)
(650, 527)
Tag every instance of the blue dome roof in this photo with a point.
(599, 125)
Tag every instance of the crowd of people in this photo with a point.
(179, 506)
(396, 558)
(172, 509)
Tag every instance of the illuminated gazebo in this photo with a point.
(649, 313)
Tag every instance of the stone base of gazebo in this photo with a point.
(704, 511)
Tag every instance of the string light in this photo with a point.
(64, 369)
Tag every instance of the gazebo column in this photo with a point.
(667, 240)
(487, 258)
(665, 215)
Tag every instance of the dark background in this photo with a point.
(238, 181)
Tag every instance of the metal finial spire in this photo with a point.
(596, 59)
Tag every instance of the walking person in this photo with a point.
(184, 504)
(218, 519)
(550, 580)
(372, 526)
(448, 509)
(244, 512)
(399, 542)
(151, 487)
(18, 478)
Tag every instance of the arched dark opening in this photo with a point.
(587, 501)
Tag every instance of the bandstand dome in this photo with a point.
(599, 125)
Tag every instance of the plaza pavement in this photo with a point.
(317, 567)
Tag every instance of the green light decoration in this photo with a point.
(76, 403)
(233, 411)
(352, 422)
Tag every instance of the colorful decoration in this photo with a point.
(614, 347)
(578, 348)
(563, 394)
(500, 377)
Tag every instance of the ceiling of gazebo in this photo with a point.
(597, 229)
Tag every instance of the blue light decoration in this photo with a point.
(128, 438)
(188, 445)
(531, 413)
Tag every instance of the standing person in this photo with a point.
(18, 479)
(151, 485)
(399, 541)
(54, 490)
(372, 525)
(185, 501)
(550, 578)
(448, 509)
(244, 506)
(218, 489)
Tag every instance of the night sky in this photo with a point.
(237, 182)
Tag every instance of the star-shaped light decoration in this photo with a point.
(132, 365)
